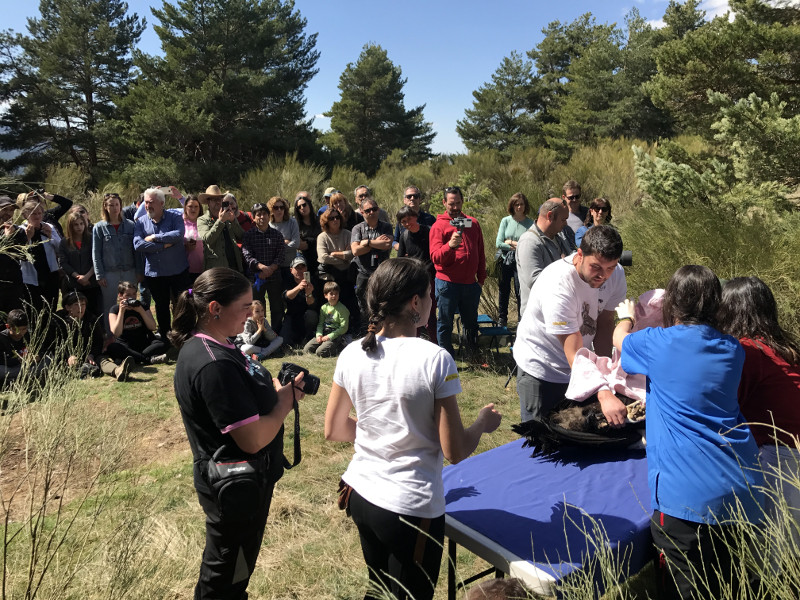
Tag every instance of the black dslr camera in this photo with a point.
(461, 223)
(290, 370)
(132, 302)
(626, 260)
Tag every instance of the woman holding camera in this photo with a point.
(407, 420)
(234, 410)
(133, 328)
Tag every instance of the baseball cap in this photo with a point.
(299, 260)
(330, 192)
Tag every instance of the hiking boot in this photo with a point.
(159, 359)
(121, 372)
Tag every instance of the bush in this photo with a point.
(281, 176)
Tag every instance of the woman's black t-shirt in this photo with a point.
(219, 389)
(134, 330)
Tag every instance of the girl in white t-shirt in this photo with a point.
(403, 389)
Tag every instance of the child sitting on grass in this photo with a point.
(258, 339)
(14, 349)
(334, 318)
(77, 338)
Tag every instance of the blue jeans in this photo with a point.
(461, 298)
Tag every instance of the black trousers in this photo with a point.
(689, 557)
(165, 290)
(231, 551)
(403, 556)
(120, 350)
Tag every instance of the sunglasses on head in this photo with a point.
(259, 206)
(412, 196)
(452, 190)
(110, 195)
(574, 197)
(306, 198)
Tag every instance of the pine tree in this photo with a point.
(228, 92)
(370, 120)
(505, 112)
(60, 81)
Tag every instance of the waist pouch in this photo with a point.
(238, 484)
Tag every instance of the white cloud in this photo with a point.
(657, 23)
(714, 8)
(321, 116)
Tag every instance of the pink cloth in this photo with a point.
(592, 373)
(195, 257)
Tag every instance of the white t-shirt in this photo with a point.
(398, 457)
(562, 303)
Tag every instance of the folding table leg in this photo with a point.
(451, 569)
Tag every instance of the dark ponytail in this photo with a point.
(389, 289)
(219, 284)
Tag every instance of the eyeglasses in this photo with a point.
(306, 198)
(258, 206)
(369, 211)
(412, 196)
(574, 197)
(600, 208)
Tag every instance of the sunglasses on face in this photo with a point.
(412, 196)
(279, 207)
(303, 205)
(360, 196)
(575, 197)
(334, 218)
(600, 208)
(369, 211)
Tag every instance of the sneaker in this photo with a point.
(159, 359)
(121, 372)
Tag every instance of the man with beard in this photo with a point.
(571, 306)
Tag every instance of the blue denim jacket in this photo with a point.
(112, 250)
(158, 260)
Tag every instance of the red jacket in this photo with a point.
(465, 264)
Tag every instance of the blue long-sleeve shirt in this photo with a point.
(160, 261)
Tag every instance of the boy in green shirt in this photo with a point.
(334, 319)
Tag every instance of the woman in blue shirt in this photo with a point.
(599, 214)
(702, 459)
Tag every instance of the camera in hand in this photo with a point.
(626, 260)
(226, 204)
(132, 302)
(461, 223)
(290, 370)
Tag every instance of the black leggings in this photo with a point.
(119, 350)
(400, 557)
(231, 551)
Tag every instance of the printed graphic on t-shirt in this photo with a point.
(588, 325)
(132, 322)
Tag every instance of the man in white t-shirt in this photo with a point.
(577, 211)
(571, 306)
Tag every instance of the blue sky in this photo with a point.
(445, 48)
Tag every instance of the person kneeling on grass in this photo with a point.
(134, 328)
(14, 350)
(258, 340)
(334, 319)
(77, 339)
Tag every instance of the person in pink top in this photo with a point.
(456, 245)
(192, 209)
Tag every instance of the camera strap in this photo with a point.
(297, 456)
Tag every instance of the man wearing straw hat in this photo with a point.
(220, 230)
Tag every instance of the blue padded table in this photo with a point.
(528, 516)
